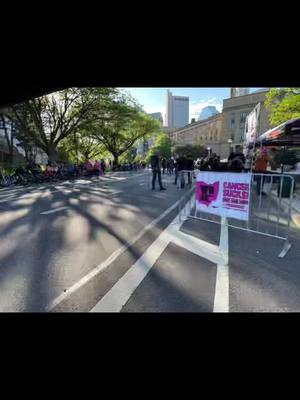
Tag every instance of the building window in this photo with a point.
(242, 119)
(242, 134)
(232, 121)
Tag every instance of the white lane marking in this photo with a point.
(224, 239)
(121, 292)
(221, 300)
(54, 210)
(117, 297)
(197, 246)
(141, 184)
(102, 266)
(113, 193)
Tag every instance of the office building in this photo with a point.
(207, 112)
(177, 111)
(236, 92)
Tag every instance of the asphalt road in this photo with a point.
(183, 278)
(75, 246)
(43, 254)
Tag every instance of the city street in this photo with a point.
(113, 245)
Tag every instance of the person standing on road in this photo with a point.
(261, 164)
(180, 163)
(163, 164)
(189, 165)
(156, 171)
(102, 164)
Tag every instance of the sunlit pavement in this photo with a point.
(86, 245)
(52, 238)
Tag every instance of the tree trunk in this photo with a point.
(9, 141)
(51, 152)
(115, 160)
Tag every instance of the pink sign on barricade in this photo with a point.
(224, 194)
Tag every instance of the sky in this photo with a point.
(154, 99)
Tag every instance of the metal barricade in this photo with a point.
(267, 216)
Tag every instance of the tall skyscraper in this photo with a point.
(236, 92)
(177, 114)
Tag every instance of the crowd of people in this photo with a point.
(86, 168)
(256, 161)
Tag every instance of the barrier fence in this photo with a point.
(266, 215)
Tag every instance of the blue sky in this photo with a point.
(154, 99)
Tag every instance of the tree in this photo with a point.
(162, 144)
(121, 123)
(9, 137)
(283, 104)
(129, 156)
(48, 120)
(81, 147)
(196, 151)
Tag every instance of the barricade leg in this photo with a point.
(286, 247)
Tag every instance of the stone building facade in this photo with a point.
(207, 133)
(214, 132)
(235, 111)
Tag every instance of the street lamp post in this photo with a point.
(229, 141)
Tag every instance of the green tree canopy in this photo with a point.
(283, 104)
(120, 125)
(48, 120)
(195, 151)
(80, 147)
(162, 144)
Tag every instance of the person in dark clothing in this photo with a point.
(164, 164)
(189, 165)
(214, 162)
(168, 167)
(180, 164)
(231, 156)
(102, 164)
(236, 161)
(156, 171)
(204, 164)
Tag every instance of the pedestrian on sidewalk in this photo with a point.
(156, 170)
